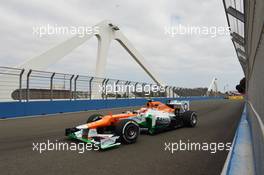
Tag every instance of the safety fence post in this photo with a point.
(116, 93)
(125, 95)
(28, 76)
(128, 89)
(173, 92)
(160, 91)
(105, 90)
(166, 92)
(20, 84)
(71, 87)
(143, 89)
(75, 87)
(102, 93)
(90, 87)
(151, 94)
(51, 86)
(136, 89)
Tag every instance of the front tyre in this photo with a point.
(190, 118)
(127, 130)
(94, 117)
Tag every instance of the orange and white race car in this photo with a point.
(111, 130)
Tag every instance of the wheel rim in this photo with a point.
(194, 119)
(131, 132)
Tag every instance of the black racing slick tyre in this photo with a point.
(93, 118)
(127, 130)
(190, 118)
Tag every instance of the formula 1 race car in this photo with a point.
(112, 130)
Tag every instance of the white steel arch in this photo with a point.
(105, 34)
(213, 87)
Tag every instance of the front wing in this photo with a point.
(104, 141)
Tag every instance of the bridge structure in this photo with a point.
(213, 87)
(105, 32)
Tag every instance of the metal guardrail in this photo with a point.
(10, 78)
(27, 85)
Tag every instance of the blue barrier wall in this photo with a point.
(18, 109)
(240, 158)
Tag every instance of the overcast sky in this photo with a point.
(183, 61)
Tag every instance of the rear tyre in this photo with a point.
(127, 130)
(189, 118)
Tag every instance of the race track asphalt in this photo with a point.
(217, 123)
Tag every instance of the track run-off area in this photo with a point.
(217, 123)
